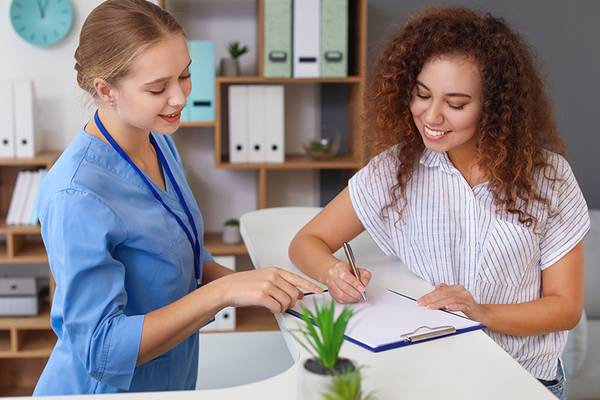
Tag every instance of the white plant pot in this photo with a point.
(312, 385)
(231, 234)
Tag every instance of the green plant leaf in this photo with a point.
(347, 386)
(323, 332)
(309, 350)
(235, 50)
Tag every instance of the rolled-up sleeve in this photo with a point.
(569, 221)
(80, 232)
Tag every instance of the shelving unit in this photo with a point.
(356, 81)
(25, 342)
(20, 244)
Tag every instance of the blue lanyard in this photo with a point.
(163, 162)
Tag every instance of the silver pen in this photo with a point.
(352, 262)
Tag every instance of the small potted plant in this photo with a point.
(231, 66)
(231, 231)
(347, 386)
(324, 336)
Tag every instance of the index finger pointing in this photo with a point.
(300, 282)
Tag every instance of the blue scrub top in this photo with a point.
(116, 254)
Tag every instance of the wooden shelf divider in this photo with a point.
(214, 244)
(227, 80)
(295, 162)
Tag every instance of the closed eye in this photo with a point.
(181, 78)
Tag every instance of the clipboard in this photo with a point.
(391, 319)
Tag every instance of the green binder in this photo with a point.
(334, 38)
(278, 38)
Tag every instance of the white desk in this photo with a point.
(465, 366)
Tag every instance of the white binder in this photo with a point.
(238, 124)
(224, 319)
(23, 201)
(7, 132)
(31, 198)
(15, 207)
(26, 142)
(274, 133)
(41, 175)
(306, 38)
(257, 123)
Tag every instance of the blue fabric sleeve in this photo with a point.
(79, 232)
(206, 256)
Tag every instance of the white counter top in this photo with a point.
(465, 366)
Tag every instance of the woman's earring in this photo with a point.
(112, 103)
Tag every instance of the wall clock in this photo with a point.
(42, 22)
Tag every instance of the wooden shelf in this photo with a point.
(34, 337)
(249, 319)
(40, 321)
(16, 391)
(19, 229)
(43, 159)
(214, 244)
(30, 251)
(197, 124)
(4, 341)
(296, 161)
(262, 80)
(20, 375)
(35, 343)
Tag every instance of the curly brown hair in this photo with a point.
(517, 120)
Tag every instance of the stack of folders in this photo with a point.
(22, 209)
(256, 124)
(308, 36)
(224, 319)
(17, 136)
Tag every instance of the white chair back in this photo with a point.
(268, 233)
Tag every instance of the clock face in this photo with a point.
(42, 22)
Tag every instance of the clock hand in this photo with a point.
(39, 4)
(43, 6)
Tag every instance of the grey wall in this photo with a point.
(564, 35)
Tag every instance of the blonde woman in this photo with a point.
(122, 229)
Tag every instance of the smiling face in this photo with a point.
(446, 104)
(154, 91)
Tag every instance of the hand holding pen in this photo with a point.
(354, 267)
(346, 286)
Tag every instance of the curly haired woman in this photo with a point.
(469, 188)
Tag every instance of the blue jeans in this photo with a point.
(558, 385)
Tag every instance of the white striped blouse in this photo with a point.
(451, 233)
